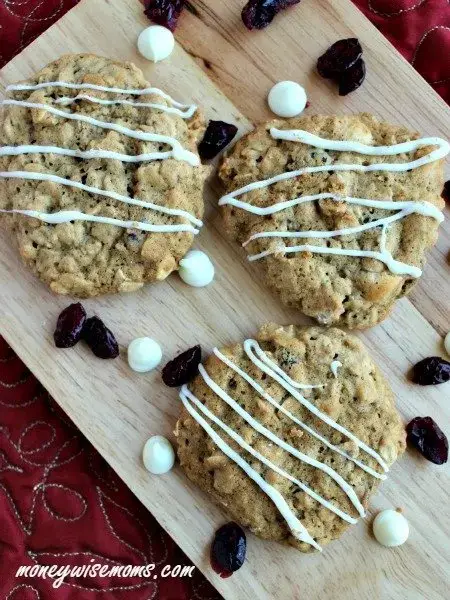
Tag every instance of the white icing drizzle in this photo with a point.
(423, 208)
(297, 529)
(184, 114)
(86, 154)
(288, 414)
(404, 208)
(177, 152)
(335, 365)
(252, 345)
(94, 190)
(395, 266)
(237, 438)
(347, 489)
(19, 87)
(64, 216)
(305, 137)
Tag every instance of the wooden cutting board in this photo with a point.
(228, 70)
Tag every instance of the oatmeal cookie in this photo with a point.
(344, 282)
(348, 423)
(85, 257)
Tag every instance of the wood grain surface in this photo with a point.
(228, 71)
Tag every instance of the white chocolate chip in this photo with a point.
(447, 343)
(390, 528)
(335, 365)
(196, 269)
(287, 99)
(158, 455)
(156, 43)
(144, 354)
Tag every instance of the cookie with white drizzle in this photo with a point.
(337, 212)
(286, 447)
(100, 179)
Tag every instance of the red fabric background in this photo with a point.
(420, 30)
(59, 502)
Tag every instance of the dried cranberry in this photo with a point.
(183, 367)
(218, 134)
(100, 339)
(446, 191)
(257, 14)
(69, 326)
(164, 12)
(431, 371)
(352, 78)
(429, 439)
(228, 549)
(339, 57)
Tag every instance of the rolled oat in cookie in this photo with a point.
(99, 176)
(288, 448)
(337, 212)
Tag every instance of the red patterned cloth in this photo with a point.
(59, 502)
(420, 30)
(21, 21)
